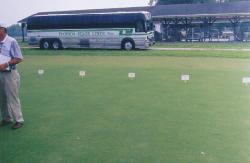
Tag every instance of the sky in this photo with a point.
(14, 10)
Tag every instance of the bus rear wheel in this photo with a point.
(128, 45)
(56, 44)
(45, 44)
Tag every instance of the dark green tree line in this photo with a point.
(165, 2)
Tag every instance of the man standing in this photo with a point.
(10, 55)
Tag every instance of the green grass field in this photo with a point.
(155, 118)
(212, 45)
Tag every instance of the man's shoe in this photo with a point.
(17, 125)
(5, 123)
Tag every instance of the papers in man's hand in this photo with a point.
(4, 59)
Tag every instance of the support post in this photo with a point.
(23, 26)
(235, 21)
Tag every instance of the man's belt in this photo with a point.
(5, 71)
(13, 68)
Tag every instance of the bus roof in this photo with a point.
(146, 13)
(89, 20)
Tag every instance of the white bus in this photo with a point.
(117, 30)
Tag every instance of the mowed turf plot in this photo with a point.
(107, 118)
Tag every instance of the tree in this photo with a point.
(152, 2)
(235, 0)
(15, 30)
(165, 2)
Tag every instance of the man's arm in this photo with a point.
(13, 61)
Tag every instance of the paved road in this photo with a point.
(28, 47)
(176, 49)
(199, 49)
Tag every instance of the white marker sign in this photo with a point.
(246, 80)
(40, 72)
(185, 78)
(4, 59)
(82, 73)
(131, 75)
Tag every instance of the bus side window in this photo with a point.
(139, 26)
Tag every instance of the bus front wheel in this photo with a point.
(44, 44)
(128, 45)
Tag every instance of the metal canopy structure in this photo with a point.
(222, 10)
(204, 17)
(177, 18)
